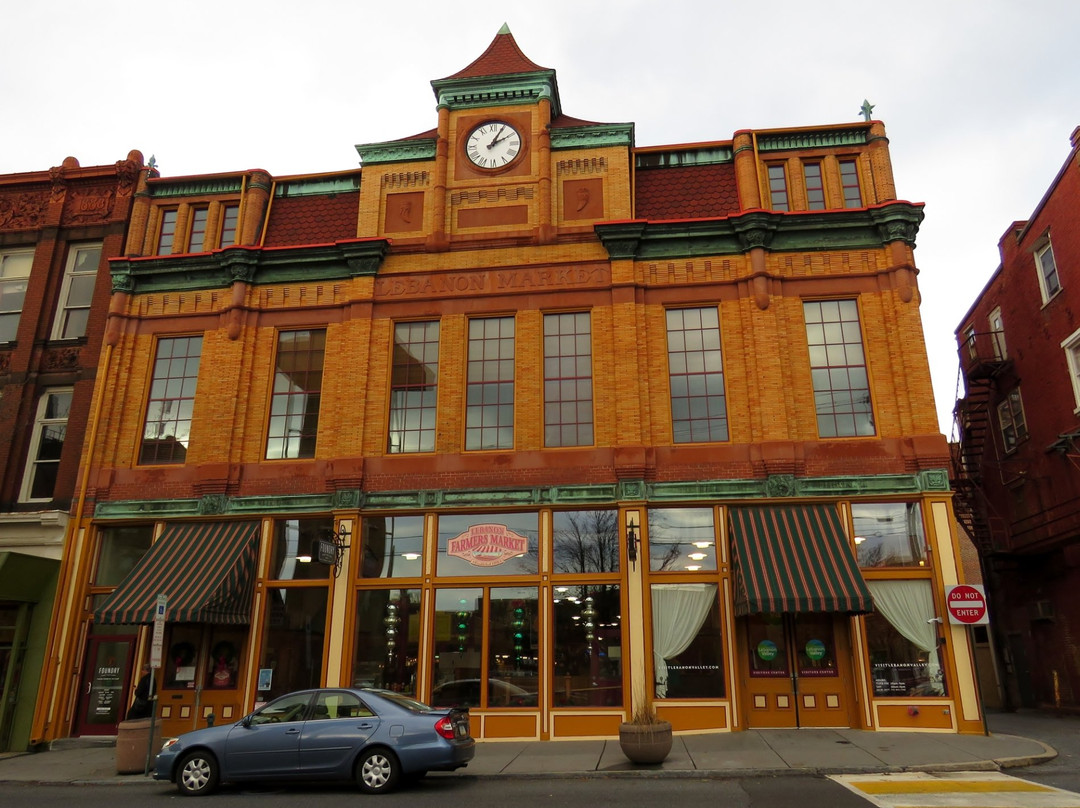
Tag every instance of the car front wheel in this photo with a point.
(197, 774)
(377, 771)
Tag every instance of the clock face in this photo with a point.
(493, 144)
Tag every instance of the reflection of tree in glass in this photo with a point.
(586, 541)
(675, 530)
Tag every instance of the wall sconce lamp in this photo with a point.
(631, 541)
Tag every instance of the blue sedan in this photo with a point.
(375, 737)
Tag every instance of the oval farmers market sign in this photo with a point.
(487, 545)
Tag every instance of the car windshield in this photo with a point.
(410, 704)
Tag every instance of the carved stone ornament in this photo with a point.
(123, 282)
(22, 211)
(781, 485)
(213, 504)
(60, 359)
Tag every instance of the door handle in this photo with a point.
(366, 725)
(88, 686)
(292, 732)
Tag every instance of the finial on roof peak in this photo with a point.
(504, 30)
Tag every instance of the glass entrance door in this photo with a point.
(105, 685)
(798, 671)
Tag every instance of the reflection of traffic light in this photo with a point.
(518, 624)
(462, 629)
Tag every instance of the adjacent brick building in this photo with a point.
(1017, 475)
(523, 416)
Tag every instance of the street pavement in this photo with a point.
(1015, 739)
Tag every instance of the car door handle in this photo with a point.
(366, 725)
(292, 732)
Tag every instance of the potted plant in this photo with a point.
(645, 738)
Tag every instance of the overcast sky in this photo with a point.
(978, 98)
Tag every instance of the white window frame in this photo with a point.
(1071, 346)
(40, 423)
(969, 341)
(64, 308)
(997, 334)
(14, 280)
(1011, 417)
(1043, 249)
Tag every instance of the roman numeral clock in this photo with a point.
(493, 144)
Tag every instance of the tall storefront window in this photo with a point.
(294, 633)
(889, 534)
(682, 539)
(393, 547)
(568, 387)
(172, 401)
(902, 639)
(387, 639)
(696, 376)
(120, 550)
(838, 369)
(587, 667)
(585, 541)
(294, 405)
(488, 544)
(489, 404)
(513, 653)
(459, 647)
(414, 387)
(688, 652)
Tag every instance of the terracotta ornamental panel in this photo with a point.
(466, 284)
(583, 199)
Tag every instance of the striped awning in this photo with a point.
(795, 558)
(205, 569)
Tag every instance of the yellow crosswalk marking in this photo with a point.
(950, 789)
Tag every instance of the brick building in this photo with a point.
(57, 229)
(524, 416)
(1016, 473)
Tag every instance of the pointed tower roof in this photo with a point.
(501, 75)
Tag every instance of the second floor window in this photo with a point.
(197, 239)
(167, 233)
(294, 405)
(46, 446)
(568, 392)
(1049, 283)
(14, 275)
(849, 184)
(777, 187)
(171, 401)
(696, 375)
(815, 188)
(414, 387)
(1012, 421)
(838, 369)
(489, 396)
(77, 292)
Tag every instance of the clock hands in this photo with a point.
(498, 137)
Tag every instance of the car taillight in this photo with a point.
(445, 727)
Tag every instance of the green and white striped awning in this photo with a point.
(206, 570)
(795, 558)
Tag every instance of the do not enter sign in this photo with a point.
(967, 605)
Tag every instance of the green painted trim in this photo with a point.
(592, 136)
(318, 186)
(396, 151)
(220, 268)
(204, 187)
(863, 228)
(498, 91)
(720, 492)
(678, 158)
(856, 136)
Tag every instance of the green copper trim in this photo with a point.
(204, 187)
(592, 136)
(719, 492)
(498, 91)
(318, 186)
(813, 140)
(865, 228)
(396, 151)
(677, 158)
(220, 268)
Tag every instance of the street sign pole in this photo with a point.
(160, 610)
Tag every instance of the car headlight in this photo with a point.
(169, 743)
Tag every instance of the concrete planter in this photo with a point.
(645, 743)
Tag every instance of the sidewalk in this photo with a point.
(734, 754)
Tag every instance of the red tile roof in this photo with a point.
(686, 192)
(318, 219)
(502, 57)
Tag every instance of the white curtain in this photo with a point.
(909, 606)
(678, 610)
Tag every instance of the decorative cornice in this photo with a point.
(864, 228)
(855, 136)
(498, 91)
(161, 189)
(720, 492)
(318, 186)
(220, 268)
(592, 136)
(676, 158)
(396, 151)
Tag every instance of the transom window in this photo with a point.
(489, 405)
(172, 400)
(778, 187)
(849, 183)
(838, 369)
(889, 534)
(815, 188)
(696, 376)
(414, 386)
(77, 292)
(46, 446)
(1049, 282)
(1012, 421)
(14, 274)
(294, 406)
(568, 391)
